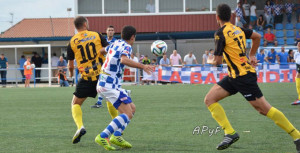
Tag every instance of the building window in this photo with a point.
(196, 5)
(115, 6)
(142, 6)
(89, 6)
(231, 3)
(171, 6)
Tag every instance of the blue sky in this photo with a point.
(32, 9)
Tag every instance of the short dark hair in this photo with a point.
(128, 32)
(22, 56)
(290, 51)
(79, 22)
(54, 54)
(110, 26)
(224, 12)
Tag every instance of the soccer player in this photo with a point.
(297, 60)
(109, 86)
(230, 43)
(87, 47)
(110, 31)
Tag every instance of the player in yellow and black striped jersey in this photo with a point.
(230, 44)
(88, 48)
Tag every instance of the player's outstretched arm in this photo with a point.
(126, 61)
(255, 44)
(71, 67)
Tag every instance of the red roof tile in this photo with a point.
(41, 27)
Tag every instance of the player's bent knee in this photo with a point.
(208, 101)
(132, 108)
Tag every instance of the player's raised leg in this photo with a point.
(77, 116)
(216, 94)
(263, 107)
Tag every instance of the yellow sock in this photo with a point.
(112, 110)
(219, 115)
(280, 120)
(77, 115)
(298, 87)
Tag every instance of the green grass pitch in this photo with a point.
(39, 120)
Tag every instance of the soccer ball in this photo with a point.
(159, 47)
(32, 66)
(28, 67)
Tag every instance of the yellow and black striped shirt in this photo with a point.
(230, 42)
(85, 48)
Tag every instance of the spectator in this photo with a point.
(27, 72)
(131, 69)
(282, 57)
(261, 56)
(260, 23)
(189, 59)
(37, 61)
(239, 15)
(253, 14)
(153, 62)
(54, 60)
(297, 37)
(269, 12)
(297, 9)
(146, 61)
(22, 60)
(204, 57)
(3, 69)
(158, 58)
(271, 58)
(45, 59)
(62, 78)
(210, 56)
(164, 61)
(289, 6)
(246, 7)
(175, 58)
(291, 56)
(150, 7)
(269, 38)
(62, 64)
(278, 9)
(146, 77)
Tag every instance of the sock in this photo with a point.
(219, 115)
(112, 110)
(99, 102)
(298, 87)
(77, 115)
(280, 120)
(114, 125)
(120, 130)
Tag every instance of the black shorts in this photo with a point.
(246, 85)
(86, 88)
(298, 68)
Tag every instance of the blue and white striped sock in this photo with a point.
(99, 102)
(120, 130)
(115, 124)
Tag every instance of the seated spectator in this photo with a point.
(260, 23)
(62, 78)
(271, 58)
(210, 56)
(282, 57)
(62, 64)
(261, 56)
(204, 57)
(189, 59)
(291, 56)
(164, 61)
(269, 38)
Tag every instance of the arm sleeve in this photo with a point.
(104, 43)
(248, 32)
(70, 53)
(219, 43)
(126, 51)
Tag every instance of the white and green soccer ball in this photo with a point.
(159, 47)
(28, 67)
(32, 66)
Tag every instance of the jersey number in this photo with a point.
(243, 48)
(87, 52)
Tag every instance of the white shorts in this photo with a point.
(114, 96)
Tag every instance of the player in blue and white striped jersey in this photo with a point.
(109, 86)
